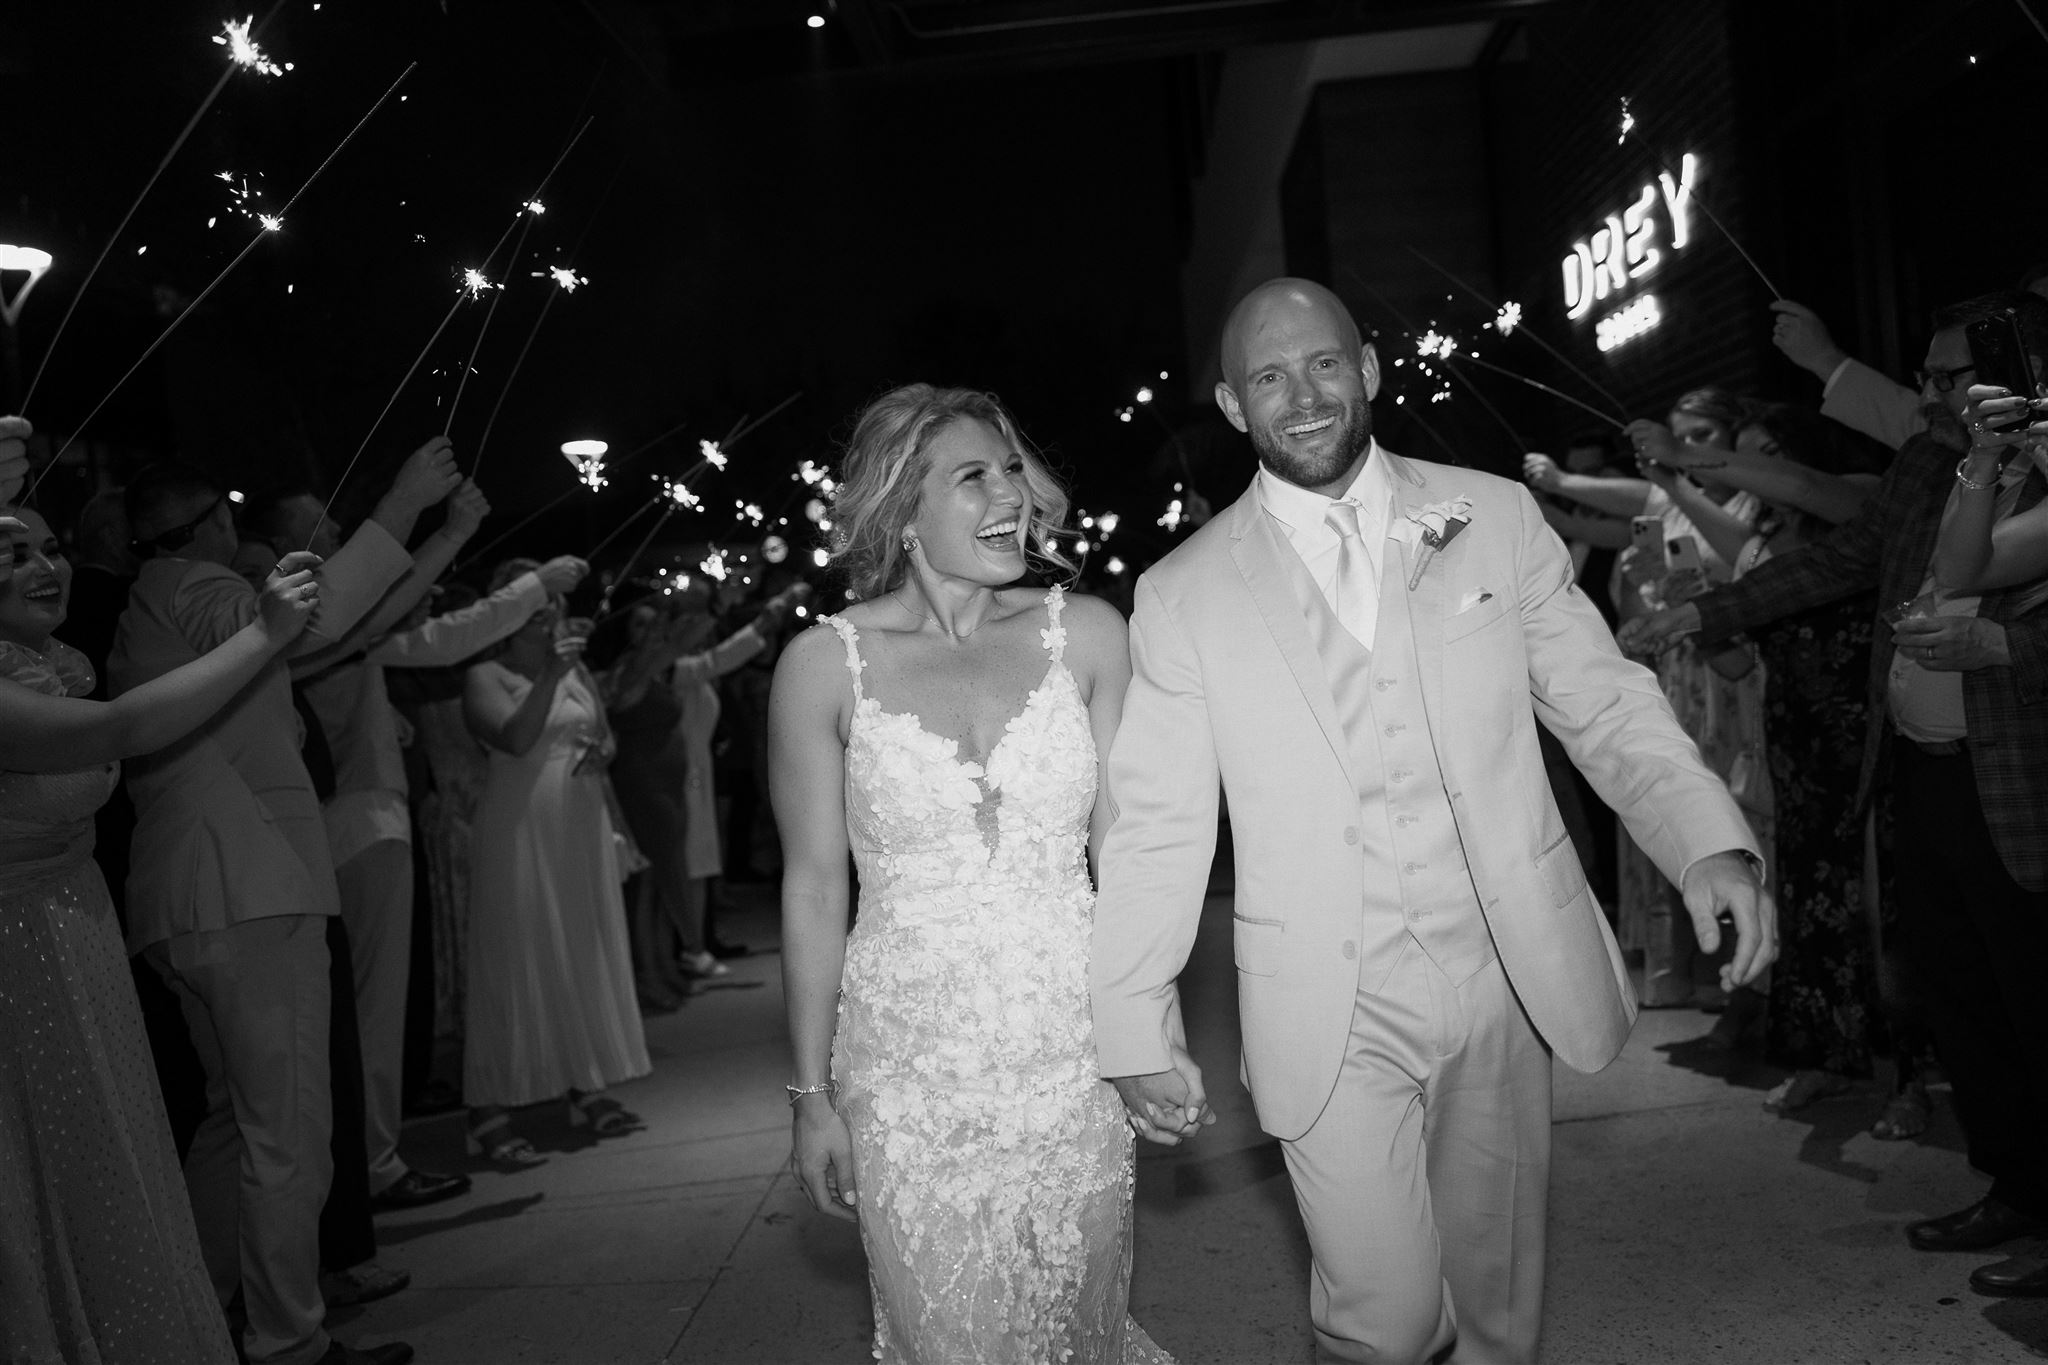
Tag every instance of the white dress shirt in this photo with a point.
(1301, 515)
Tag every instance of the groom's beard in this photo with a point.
(1315, 469)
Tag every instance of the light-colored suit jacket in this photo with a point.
(227, 827)
(1863, 399)
(1229, 692)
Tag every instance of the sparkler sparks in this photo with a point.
(474, 283)
(678, 492)
(751, 513)
(713, 566)
(587, 457)
(271, 222)
(713, 456)
(535, 207)
(1628, 122)
(242, 49)
(1435, 343)
(1508, 318)
(1176, 512)
(563, 276)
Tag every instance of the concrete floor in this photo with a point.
(1687, 1224)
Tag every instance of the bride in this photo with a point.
(947, 729)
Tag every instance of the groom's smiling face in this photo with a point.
(1299, 382)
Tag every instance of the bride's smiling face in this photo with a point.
(974, 505)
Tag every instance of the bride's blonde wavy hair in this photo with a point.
(882, 479)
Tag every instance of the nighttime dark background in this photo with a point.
(1021, 195)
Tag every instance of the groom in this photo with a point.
(1358, 653)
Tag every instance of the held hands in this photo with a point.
(14, 434)
(561, 575)
(1166, 1106)
(1952, 644)
(1804, 338)
(467, 508)
(290, 596)
(1726, 884)
(821, 1155)
(427, 476)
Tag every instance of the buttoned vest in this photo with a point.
(1415, 884)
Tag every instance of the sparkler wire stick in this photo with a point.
(1524, 329)
(193, 306)
(122, 226)
(1449, 364)
(525, 224)
(1608, 418)
(2028, 11)
(389, 403)
(746, 427)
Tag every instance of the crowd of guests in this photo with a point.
(280, 730)
(1844, 608)
(234, 739)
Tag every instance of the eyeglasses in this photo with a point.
(1944, 381)
(177, 537)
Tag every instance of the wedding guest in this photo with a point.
(99, 1258)
(1961, 736)
(551, 1013)
(103, 568)
(232, 883)
(663, 708)
(1718, 698)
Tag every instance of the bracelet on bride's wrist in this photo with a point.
(797, 1092)
(1963, 477)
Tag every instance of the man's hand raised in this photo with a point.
(427, 476)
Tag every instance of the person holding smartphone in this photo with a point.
(550, 1007)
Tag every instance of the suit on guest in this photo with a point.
(1413, 931)
(229, 888)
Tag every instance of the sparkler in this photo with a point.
(1449, 364)
(1502, 311)
(193, 307)
(1628, 123)
(1507, 318)
(242, 49)
(604, 600)
(148, 185)
(568, 280)
(587, 457)
(2028, 11)
(1608, 418)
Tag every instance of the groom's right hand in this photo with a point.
(1166, 1106)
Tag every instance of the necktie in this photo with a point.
(1355, 593)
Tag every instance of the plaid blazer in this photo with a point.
(1888, 546)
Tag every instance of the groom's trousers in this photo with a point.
(1423, 1185)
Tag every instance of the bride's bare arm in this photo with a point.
(1099, 652)
(808, 712)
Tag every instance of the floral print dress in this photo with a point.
(994, 1165)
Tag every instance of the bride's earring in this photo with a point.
(909, 542)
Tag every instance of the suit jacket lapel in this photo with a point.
(1265, 560)
(1424, 604)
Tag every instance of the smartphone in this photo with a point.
(1647, 535)
(2000, 354)
(1686, 576)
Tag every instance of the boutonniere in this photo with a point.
(1440, 522)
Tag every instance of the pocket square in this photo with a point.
(1473, 599)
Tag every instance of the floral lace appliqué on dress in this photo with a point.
(994, 1165)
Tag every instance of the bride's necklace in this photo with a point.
(898, 600)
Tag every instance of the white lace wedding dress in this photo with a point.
(994, 1166)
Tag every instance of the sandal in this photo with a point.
(1905, 1114)
(494, 1140)
(600, 1113)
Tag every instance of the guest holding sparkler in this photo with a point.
(1718, 698)
(233, 882)
(98, 1251)
(663, 708)
(550, 1006)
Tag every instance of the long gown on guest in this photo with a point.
(99, 1259)
(994, 1165)
(1824, 983)
(550, 981)
(1725, 717)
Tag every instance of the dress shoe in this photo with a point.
(390, 1353)
(415, 1188)
(2022, 1277)
(1985, 1224)
(363, 1283)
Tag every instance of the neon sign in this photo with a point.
(1628, 322)
(1625, 249)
